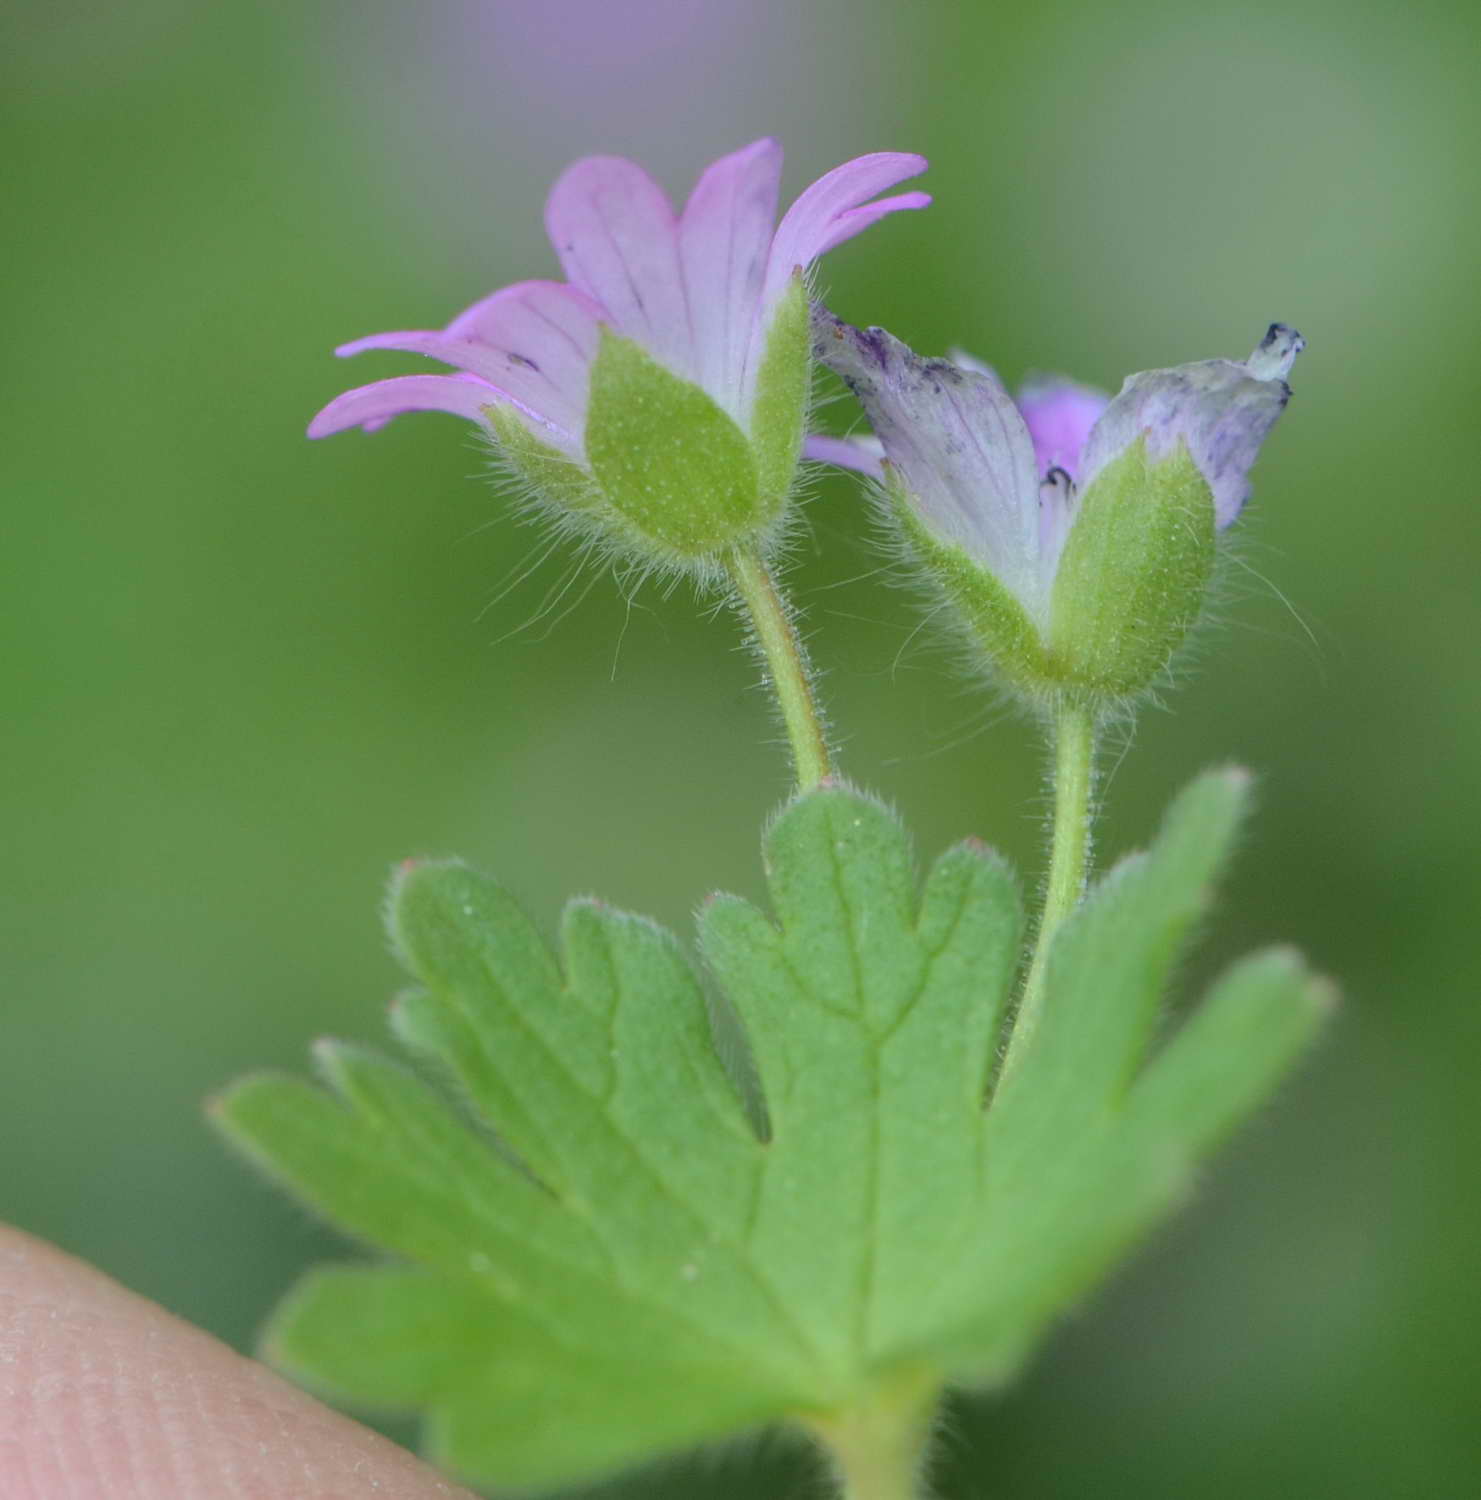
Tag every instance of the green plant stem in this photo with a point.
(878, 1447)
(1074, 783)
(786, 663)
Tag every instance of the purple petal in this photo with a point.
(463, 354)
(862, 454)
(958, 444)
(533, 341)
(372, 406)
(856, 220)
(1060, 414)
(1220, 408)
(835, 208)
(613, 228)
(724, 234)
(1056, 512)
(546, 336)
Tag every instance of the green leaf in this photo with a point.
(873, 1027)
(599, 1256)
(1087, 1145)
(510, 1392)
(1108, 969)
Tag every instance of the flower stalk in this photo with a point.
(788, 672)
(1069, 858)
(878, 1448)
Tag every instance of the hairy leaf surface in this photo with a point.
(597, 1254)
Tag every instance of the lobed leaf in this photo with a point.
(601, 1257)
(1087, 1145)
(872, 1030)
(1108, 972)
(507, 1393)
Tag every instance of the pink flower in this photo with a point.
(698, 291)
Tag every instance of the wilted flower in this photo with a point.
(1075, 532)
(658, 394)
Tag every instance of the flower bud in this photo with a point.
(1074, 534)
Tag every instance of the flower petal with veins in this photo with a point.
(835, 208)
(724, 235)
(372, 406)
(958, 444)
(615, 235)
(547, 332)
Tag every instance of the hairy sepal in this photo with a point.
(779, 410)
(549, 475)
(668, 459)
(996, 622)
(1132, 576)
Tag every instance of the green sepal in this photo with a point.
(668, 460)
(549, 473)
(1133, 574)
(779, 411)
(999, 625)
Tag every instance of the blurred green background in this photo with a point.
(243, 674)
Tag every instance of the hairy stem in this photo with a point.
(787, 669)
(878, 1448)
(1074, 783)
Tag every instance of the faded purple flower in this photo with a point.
(1000, 479)
(697, 290)
(1220, 408)
(1059, 415)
